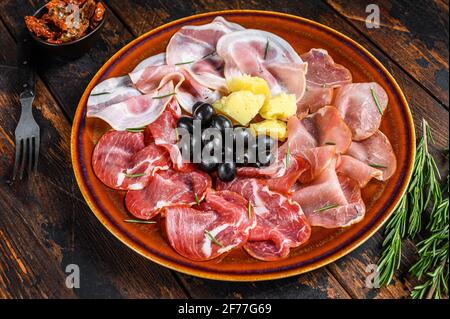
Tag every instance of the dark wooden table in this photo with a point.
(45, 223)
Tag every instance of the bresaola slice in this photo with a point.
(331, 200)
(166, 189)
(122, 161)
(377, 152)
(263, 54)
(280, 222)
(219, 224)
(357, 104)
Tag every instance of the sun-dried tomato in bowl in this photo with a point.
(66, 20)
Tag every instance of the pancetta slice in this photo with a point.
(358, 106)
(122, 161)
(263, 54)
(280, 222)
(357, 170)
(323, 72)
(331, 200)
(377, 152)
(137, 111)
(166, 189)
(194, 47)
(219, 224)
(315, 97)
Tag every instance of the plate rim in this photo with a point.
(245, 276)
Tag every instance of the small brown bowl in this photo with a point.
(73, 49)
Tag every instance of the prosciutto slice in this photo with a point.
(263, 54)
(280, 223)
(220, 224)
(323, 72)
(357, 170)
(166, 189)
(377, 152)
(137, 111)
(194, 47)
(314, 98)
(122, 161)
(357, 104)
(331, 200)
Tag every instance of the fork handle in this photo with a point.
(26, 101)
(27, 76)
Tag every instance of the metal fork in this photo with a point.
(27, 138)
(27, 130)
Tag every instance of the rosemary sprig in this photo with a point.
(135, 129)
(326, 207)
(135, 175)
(183, 63)
(377, 166)
(288, 155)
(139, 221)
(197, 200)
(377, 102)
(330, 143)
(266, 50)
(213, 239)
(250, 207)
(423, 189)
(163, 96)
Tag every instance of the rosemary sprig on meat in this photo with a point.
(139, 221)
(377, 102)
(423, 190)
(213, 239)
(326, 207)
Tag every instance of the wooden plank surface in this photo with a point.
(45, 224)
(66, 232)
(414, 36)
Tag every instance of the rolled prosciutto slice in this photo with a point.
(263, 54)
(166, 189)
(331, 200)
(219, 224)
(194, 48)
(122, 161)
(362, 105)
(377, 152)
(280, 222)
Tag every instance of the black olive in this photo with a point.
(196, 105)
(196, 147)
(210, 134)
(228, 152)
(185, 122)
(221, 122)
(208, 165)
(204, 113)
(227, 171)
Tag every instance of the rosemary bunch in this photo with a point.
(423, 189)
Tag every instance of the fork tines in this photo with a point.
(27, 153)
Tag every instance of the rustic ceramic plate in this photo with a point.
(325, 246)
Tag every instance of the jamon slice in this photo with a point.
(314, 98)
(280, 223)
(323, 72)
(357, 170)
(194, 47)
(166, 189)
(377, 152)
(122, 161)
(137, 111)
(163, 133)
(331, 200)
(263, 54)
(328, 128)
(204, 232)
(318, 158)
(119, 89)
(358, 107)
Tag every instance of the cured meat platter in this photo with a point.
(344, 151)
